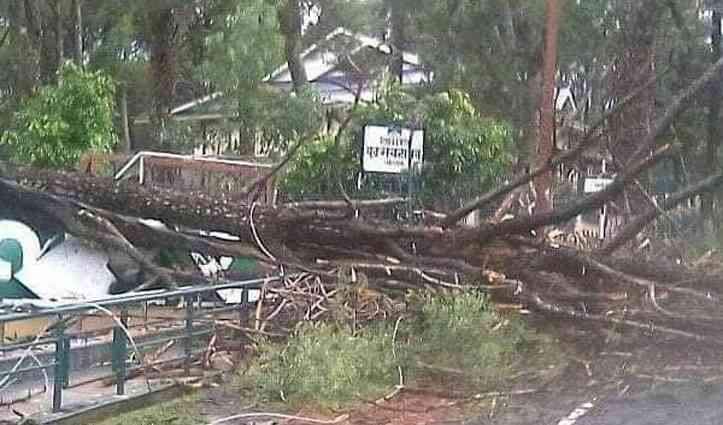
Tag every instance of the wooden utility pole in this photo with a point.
(545, 141)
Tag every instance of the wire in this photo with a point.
(256, 235)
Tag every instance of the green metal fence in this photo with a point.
(194, 327)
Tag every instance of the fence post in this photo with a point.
(242, 306)
(119, 352)
(60, 374)
(188, 340)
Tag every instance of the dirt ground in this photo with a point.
(608, 378)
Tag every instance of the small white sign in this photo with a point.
(596, 184)
(386, 149)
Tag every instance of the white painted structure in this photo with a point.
(337, 77)
(70, 270)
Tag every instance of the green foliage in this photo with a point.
(240, 51)
(325, 364)
(328, 365)
(464, 153)
(54, 127)
(281, 117)
(464, 333)
(242, 48)
(314, 170)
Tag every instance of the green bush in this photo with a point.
(325, 364)
(459, 337)
(464, 153)
(463, 333)
(314, 170)
(58, 124)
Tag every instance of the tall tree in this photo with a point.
(632, 68)
(545, 143)
(78, 31)
(290, 23)
(397, 13)
(162, 33)
(714, 125)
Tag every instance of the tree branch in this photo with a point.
(524, 225)
(590, 139)
(634, 227)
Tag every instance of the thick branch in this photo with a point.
(524, 225)
(341, 205)
(633, 228)
(590, 139)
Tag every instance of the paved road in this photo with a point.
(672, 404)
(681, 404)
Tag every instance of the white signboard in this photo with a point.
(596, 184)
(386, 149)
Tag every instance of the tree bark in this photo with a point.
(634, 66)
(162, 28)
(629, 232)
(290, 21)
(78, 31)
(397, 39)
(23, 42)
(126, 144)
(59, 34)
(714, 129)
(545, 143)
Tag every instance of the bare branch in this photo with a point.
(633, 228)
(590, 139)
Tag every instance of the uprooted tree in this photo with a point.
(502, 257)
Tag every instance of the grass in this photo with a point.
(177, 412)
(459, 337)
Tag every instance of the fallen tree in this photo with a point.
(324, 237)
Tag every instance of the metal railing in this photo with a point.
(140, 156)
(196, 324)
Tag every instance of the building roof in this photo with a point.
(336, 67)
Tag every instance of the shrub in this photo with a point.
(464, 153)
(58, 124)
(325, 364)
(459, 337)
(463, 333)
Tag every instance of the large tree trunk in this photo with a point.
(162, 28)
(78, 31)
(714, 130)
(23, 40)
(634, 67)
(545, 143)
(527, 142)
(397, 16)
(290, 20)
(126, 145)
(324, 239)
(59, 33)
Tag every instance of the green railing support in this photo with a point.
(119, 353)
(66, 362)
(188, 340)
(60, 374)
(61, 335)
(242, 310)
